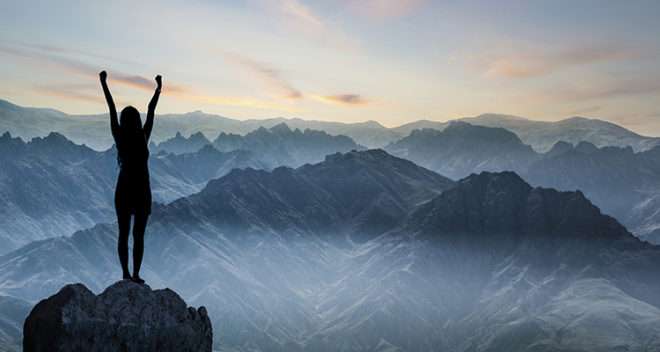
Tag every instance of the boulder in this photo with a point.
(125, 317)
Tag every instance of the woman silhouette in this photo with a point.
(133, 192)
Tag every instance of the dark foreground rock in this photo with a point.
(125, 317)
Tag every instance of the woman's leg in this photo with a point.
(124, 222)
(138, 243)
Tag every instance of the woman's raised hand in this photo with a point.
(159, 81)
(103, 76)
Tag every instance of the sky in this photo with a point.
(391, 61)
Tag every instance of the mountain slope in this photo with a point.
(622, 182)
(13, 313)
(53, 187)
(290, 261)
(543, 255)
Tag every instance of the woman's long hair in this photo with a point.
(133, 145)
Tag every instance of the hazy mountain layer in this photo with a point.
(284, 146)
(623, 183)
(620, 181)
(542, 135)
(12, 313)
(181, 145)
(347, 255)
(462, 149)
(93, 129)
(53, 187)
(278, 145)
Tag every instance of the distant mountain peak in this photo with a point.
(371, 124)
(56, 137)
(483, 131)
(465, 132)
(493, 116)
(6, 136)
(559, 148)
(586, 147)
(199, 136)
(506, 177)
(503, 203)
(370, 154)
(281, 128)
(506, 181)
(8, 106)
(7, 139)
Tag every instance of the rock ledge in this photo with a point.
(125, 317)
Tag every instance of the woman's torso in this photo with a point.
(133, 163)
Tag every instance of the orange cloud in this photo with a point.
(240, 101)
(342, 99)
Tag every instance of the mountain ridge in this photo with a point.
(91, 129)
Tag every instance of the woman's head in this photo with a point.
(129, 120)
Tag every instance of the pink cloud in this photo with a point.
(270, 76)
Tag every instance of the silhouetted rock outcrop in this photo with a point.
(125, 317)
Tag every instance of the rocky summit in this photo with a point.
(125, 317)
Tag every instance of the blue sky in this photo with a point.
(393, 61)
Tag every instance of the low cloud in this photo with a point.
(270, 76)
(342, 99)
(84, 69)
(245, 102)
(619, 88)
(585, 111)
(70, 94)
(527, 65)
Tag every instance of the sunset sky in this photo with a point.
(392, 61)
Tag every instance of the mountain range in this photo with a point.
(368, 252)
(92, 130)
(52, 187)
(36, 173)
(622, 182)
(279, 144)
(475, 235)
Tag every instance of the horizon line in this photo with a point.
(351, 123)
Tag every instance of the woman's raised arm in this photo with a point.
(149, 124)
(114, 123)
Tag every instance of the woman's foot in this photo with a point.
(137, 279)
(127, 276)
